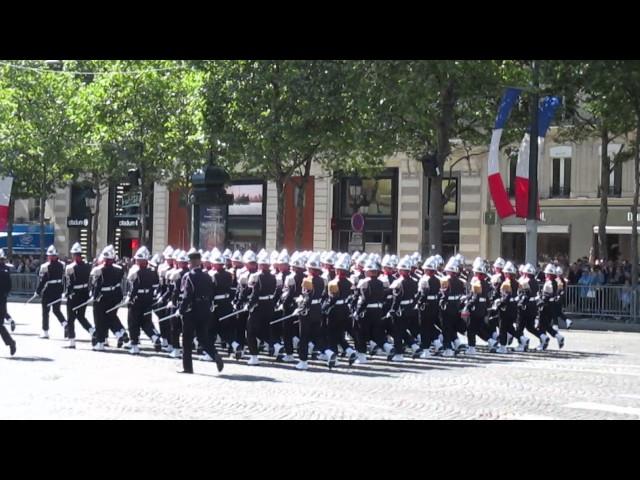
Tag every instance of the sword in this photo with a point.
(295, 313)
(35, 295)
(237, 312)
(155, 310)
(173, 315)
(122, 304)
(54, 302)
(83, 304)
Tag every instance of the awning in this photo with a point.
(615, 230)
(541, 229)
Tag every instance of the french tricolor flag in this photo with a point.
(546, 111)
(496, 185)
(5, 195)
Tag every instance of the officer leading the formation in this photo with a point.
(50, 289)
(5, 288)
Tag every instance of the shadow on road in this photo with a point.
(28, 359)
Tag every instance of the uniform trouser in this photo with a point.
(79, 314)
(428, 330)
(476, 326)
(545, 325)
(6, 338)
(450, 323)
(258, 325)
(136, 319)
(289, 330)
(196, 322)
(336, 326)
(369, 327)
(400, 325)
(309, 327)
(225, 327)
(45, 312)
(106, 321)
(165, 327)
(557, 312)
(507, 318)
(527, 319)
(239, 328)
(275, 330)
(176, 329)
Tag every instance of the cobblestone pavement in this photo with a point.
(596, 376)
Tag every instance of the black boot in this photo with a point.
(12, 348)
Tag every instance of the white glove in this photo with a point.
(170, 305)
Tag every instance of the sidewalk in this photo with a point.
(604, 324)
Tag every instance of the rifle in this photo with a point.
(173, 315)
(237, 312)
(155, 310)
(295, 313)
(121, 304)
(54, 302)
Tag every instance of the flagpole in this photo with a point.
(532, 214)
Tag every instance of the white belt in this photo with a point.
(221, 297)
(533, 299)
(513, 299)
(374, 305)
(454, 297)
(482, 299)
(54, 281)
(389, 296)
(266, 297)
(109, 289)
(339, 302)
(79, 287)
(316, 301)
(144, 290)
(406, 302)
(432, 297)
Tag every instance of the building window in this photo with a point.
(245, 224)
(371, 196)
(561, 177)
(615, 171)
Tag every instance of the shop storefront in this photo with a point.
(376, 199)
(246, 220)
(124, 219)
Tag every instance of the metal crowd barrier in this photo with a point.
(617, 301)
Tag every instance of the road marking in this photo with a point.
(604, 408)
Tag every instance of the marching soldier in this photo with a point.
(291, 289)
(222, 296)
(368, 315)
(527, 292)
(243, 294)
(548, 298)
(175, 277)
(195, 310)
(562, 290)
(402, 311)
(282, 268)
(310, 320)
(507, 306)
(50, 288)
(5, 288)
(77, 280)
(143, 283)
(336, 311)
(452, 292)
(162, 298)
(260, 306)
(475, 309)
(428, 292)
(107, 292)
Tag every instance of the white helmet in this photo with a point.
(263, 259)
(499, 263)
(206, 256)
(362, 260)
(108, 253)
(176, 254)
(509, 267)
(236, 256)
(330, 258)
(314, 261)
(249, 257)
(76, 248)
(142, 253)
(283, 257)
(52, 251)
(155, 260)
(406, 263)
(430, 264)
(217, 258)
(2, 255)
(273, 258)
(226, 254)
(296, 260)
(452, 265)
(550, 270)
(372, 264)
(182, 256)
(559, 270)
(438, 259)
(529, 269)
(168, 252)
(479, 265)
(460, 258)
(193, 253)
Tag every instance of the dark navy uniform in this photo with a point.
(429, 290)
(222, 297)
(77, 280)
(5, 288)
(50, 288)
(402, 312)
(451, 296)
(261, 306)
(108, 293)
(369, 324)
(144, 283)
(336, 311)
(476, 306)
(311, 317)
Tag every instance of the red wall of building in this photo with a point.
(290, 215)
(178, 234)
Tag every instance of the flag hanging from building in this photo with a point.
(5, 195)
(546, 111)
(496, 185)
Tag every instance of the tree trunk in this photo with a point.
(42, 246)
(280, 213)
(95, 221)
(12, 207)
(435, 216)
(302, 189)
(445, 122)
(143, 214)
(604, 195)
(634, 209)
